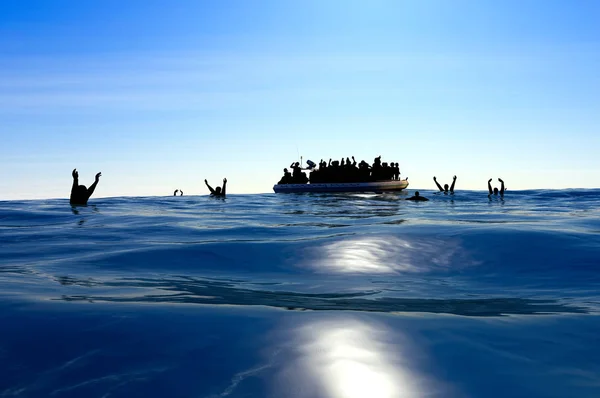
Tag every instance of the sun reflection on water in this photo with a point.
(386, 255)
(349, 358)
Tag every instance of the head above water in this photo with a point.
(446, 187)
(495, 191)
(416, 193)
(81, 190)
(218, 190)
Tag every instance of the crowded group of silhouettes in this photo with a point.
(341, 171)
(326, 173)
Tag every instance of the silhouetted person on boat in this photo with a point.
(495, 191)
(175, 193)
(298, 177)
(217, 191)
(417, 197)
(287, 177)
(445, 189)
(397, 172)
(79, 193)
(376, 169)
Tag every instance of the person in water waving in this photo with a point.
(217, 191)
(445, 189)
(79, 193)
(495, 191)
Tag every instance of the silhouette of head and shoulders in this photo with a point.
(417, 197)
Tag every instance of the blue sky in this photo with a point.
(159, 95)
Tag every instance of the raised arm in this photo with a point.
(209, 187)
(453, 183)
(75, 175)
(501, 186)
(438, 184)
(92, 188)
(224, 186)
(490, 186)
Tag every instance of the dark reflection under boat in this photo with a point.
(187, 290)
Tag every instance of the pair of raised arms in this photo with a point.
(446, 186)
(218, 190)
(502, 189)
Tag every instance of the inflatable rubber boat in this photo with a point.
(374, 186)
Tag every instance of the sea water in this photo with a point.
(302, 295)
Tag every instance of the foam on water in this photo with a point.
(459, 296)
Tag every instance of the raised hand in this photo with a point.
(500, 179)
(224, 180)
(206, 182)
(490, 180)
(98, 176)
(434, 179)
(75, 174)
(454, 178)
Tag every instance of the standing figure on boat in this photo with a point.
(386, 172)
(364, 171)
(353, 174)
(396, 172)
(376, 169)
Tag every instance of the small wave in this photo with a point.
(210, 292)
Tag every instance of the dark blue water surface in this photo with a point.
(307, 296)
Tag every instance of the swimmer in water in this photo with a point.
(217, 191)
(175, 193)
(445, 189)
(495, 191)
(417, 197)
(79, 193)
